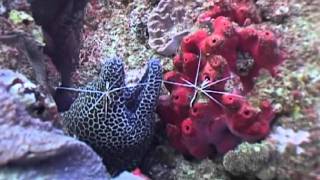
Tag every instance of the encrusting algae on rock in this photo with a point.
(251, 159)
(33, 149)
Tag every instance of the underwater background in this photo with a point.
(160, 89)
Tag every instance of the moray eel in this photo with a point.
(118, 125)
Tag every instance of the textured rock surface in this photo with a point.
(276, 11)
(30, 148)
(38, 102)
(170, 21)
(251, 159)
(21, 46)
(206, 169)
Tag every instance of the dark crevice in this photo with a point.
(62, 23)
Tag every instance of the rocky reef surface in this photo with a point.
(31, 148)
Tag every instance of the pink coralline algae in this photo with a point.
(203, 115)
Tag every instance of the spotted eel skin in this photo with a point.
(119, 127)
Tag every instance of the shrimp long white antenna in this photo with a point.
(216, 82)
(226, 93)
(194, 93)
(79, 90)
(103, 93)
(195, 80)
(212, 98)
(201, 90)
(127, 86)
(100, 92)
(178, 84)
(198, 69)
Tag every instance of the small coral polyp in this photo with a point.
(200, 116)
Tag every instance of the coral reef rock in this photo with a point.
(30, 148)
(117, 121)
(253, 160)
(38, 102)
(169, 22)
(206, 169)
(276, 11)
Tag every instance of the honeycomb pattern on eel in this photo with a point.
(118, 126)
